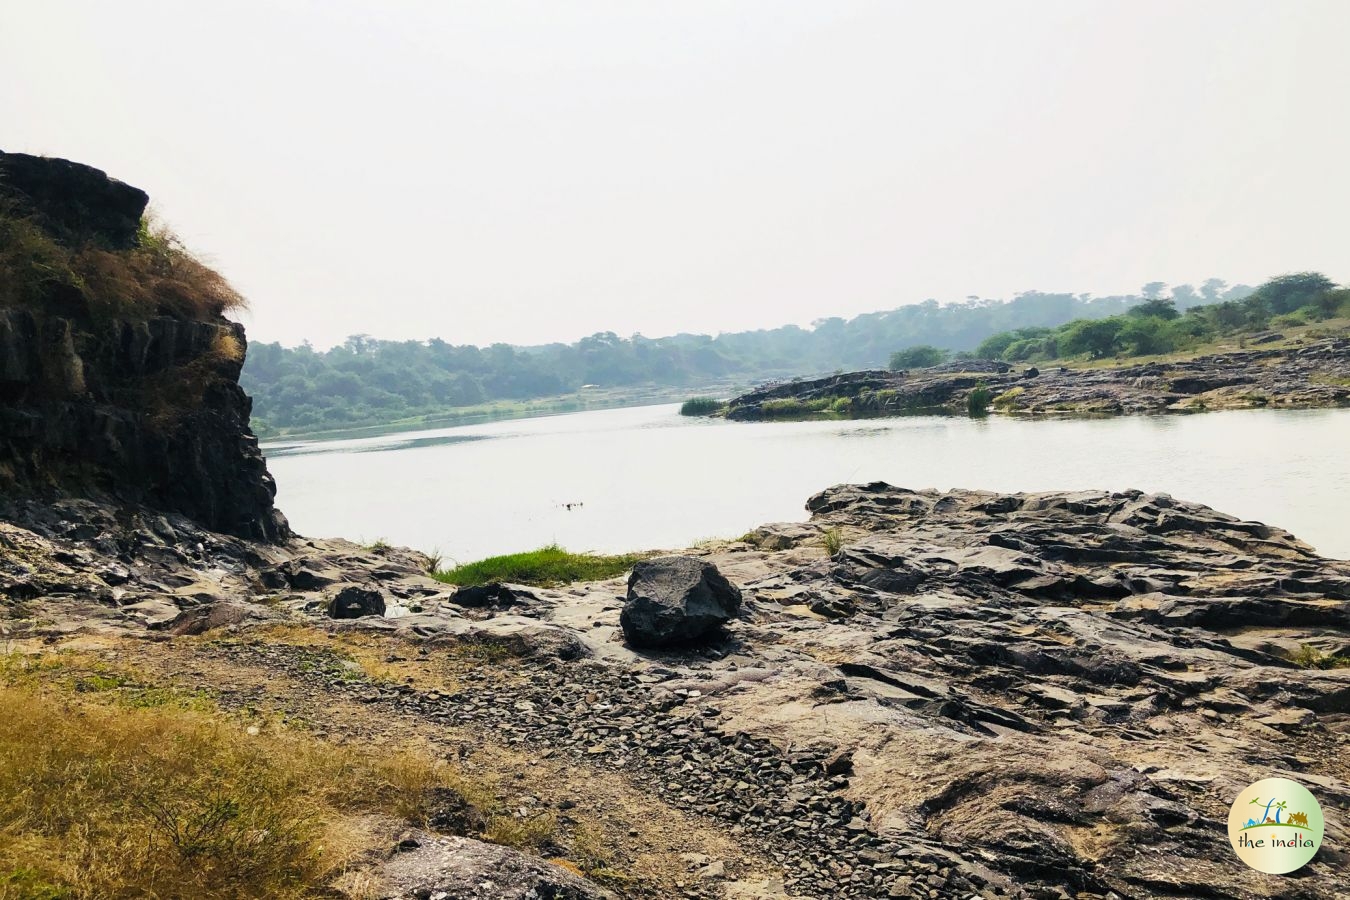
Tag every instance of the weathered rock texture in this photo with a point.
(1316, 374)
(144, 412)
(981, 694)
(456, 868)
(676, 600)
(76, 202)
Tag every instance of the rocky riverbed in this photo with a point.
(1314, 374)
(978, 694)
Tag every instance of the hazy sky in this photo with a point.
(526, 172)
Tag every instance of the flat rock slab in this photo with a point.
(454, 868)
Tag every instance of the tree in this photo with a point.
(1157, 308)
(1095, 338)
(1212, 289)
(1147, 335)
(1153, 289)
(1286, 293)
(918, 357)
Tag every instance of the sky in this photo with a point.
(530, 172)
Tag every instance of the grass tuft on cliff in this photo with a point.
(547, 567)
(159, 277)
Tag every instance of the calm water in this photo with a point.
(648, 478)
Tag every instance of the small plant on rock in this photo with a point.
(978, 400)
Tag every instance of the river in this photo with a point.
(646, 477)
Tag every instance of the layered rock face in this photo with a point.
(146, 412)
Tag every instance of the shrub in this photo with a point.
(701, 406)
(547, 566)
(832, 540)
(978, 400)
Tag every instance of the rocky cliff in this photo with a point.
(132, 403)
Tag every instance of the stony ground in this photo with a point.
(1311, 375)
(977, 695)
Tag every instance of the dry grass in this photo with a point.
(103, 800)
(226, 347)
(112, 786)
(160, 277)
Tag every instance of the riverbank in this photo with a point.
(1310, 375)
(591, 399)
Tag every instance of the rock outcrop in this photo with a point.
(676, 600)
(78, 203)
(353, 601)
(143, 411)
(1316, 374)
(980, 694)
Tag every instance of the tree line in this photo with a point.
(1157, 325)
(369, 381)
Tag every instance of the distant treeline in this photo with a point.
(1158, 325)
(368, 381)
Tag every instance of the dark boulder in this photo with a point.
(493, 595)
(77, 203)
(355, 601)
(1031, 372)
(676, 600)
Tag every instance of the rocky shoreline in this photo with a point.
(1313, 375)
(980, 694)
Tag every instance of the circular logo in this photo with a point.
(1275, 826)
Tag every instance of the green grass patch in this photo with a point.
(1009, 399)
(548, 566)
(701, 406)
(1309, 657)
(792, 408)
